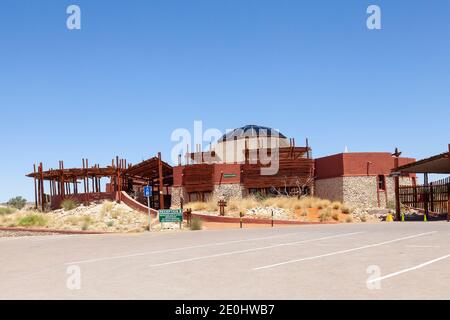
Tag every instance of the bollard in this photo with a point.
(240, 220)
(425, 219)
(403, 217)
(272, 218)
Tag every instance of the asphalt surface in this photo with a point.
(346, 261)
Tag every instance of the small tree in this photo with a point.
(17, 202)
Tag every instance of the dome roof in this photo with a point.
(251, 131)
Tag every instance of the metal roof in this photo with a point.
(251, 130)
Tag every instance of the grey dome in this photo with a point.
(251, 131)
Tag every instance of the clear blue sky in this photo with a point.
(137, 70)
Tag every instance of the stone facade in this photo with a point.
(177, 194)
(223, 191)
(358, 191)
(228, 191)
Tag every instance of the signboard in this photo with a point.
(169, 215)
(229, 175)
(147, 191)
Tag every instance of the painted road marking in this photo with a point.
(408, 269)
(343, 251)
(179, 249)
(251, 250)
(411, 246)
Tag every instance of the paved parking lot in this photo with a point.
(346, 261)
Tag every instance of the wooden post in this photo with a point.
(426, 194)
(448, 189)
(42, 191)
(161, 182)
(397, 154)
(35, 188)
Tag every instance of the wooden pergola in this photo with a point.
(152, 172)
(66, 183)
(433, 197)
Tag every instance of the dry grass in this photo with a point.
(283, 202)
(107, 207)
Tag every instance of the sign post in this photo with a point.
(147, 194)
(170, 215)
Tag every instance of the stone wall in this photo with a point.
(331, 188)
(228, 191)
(224, 191)
(358, 191)
(177, 194)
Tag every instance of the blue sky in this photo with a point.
(137, 70)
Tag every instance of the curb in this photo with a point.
(222, 219)
(53, 230)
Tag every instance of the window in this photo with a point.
(193, 197)
(382, 182)
(206, 196)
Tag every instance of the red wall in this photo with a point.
(217, 178)
(357, 164)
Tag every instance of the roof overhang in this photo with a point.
(437, 164)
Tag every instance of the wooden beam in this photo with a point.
(161, 182)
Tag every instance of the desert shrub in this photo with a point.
(69, 204)
(196, 206)
(17, 202)
(32, 220)
(110, 223)
(4, 210)
(363, 218)
(335, 216)
(116, 213)
(323, 204)
(349, 219)
(336, 205)
(325, 215)
(304, 213)
(212, 206)
(242, 204)
(86, 222)
(107, 207)
(345, 209)
(196, 224)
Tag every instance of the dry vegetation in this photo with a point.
(107, 216)
(306, 209)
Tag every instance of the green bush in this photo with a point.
(32, 220)
(69, 204)
(6, 210)
(196, 224)
(17, 202)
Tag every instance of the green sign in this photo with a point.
(229, 175)
(169, 215)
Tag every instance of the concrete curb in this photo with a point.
(41, 230)
(221, 219)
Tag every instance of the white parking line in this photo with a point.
(342, 251)
(251, 250)
(179, 249)
(408, 269)
(411, 246)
